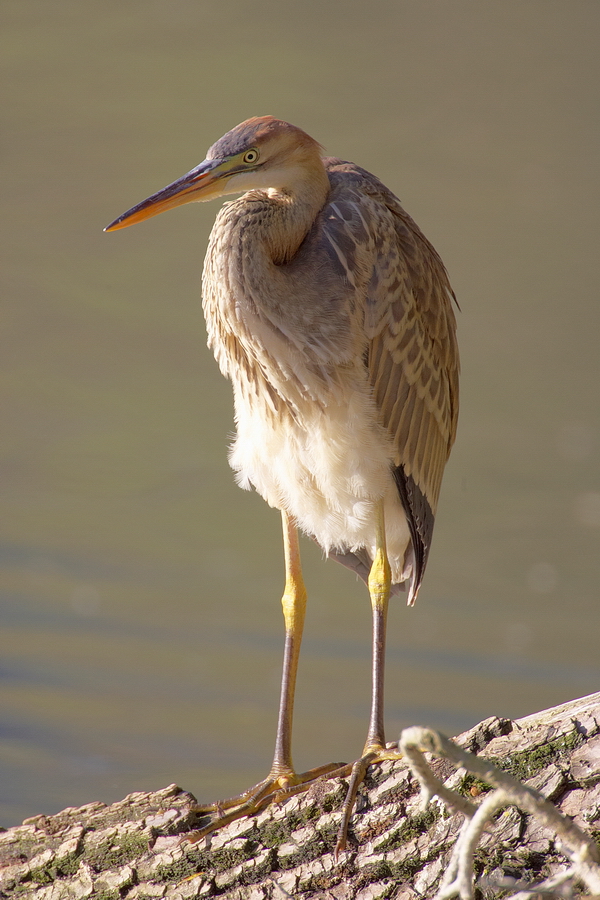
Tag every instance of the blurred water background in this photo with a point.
(141, 632)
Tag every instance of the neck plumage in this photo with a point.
(292, 212)
(249, 301)
(261, 231)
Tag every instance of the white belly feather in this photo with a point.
(328, 470)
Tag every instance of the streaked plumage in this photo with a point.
(331, 314)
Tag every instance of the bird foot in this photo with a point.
(279, 788)
(273, 789)
(357, 772)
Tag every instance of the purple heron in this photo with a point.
(331, 314)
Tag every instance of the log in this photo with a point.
(133, 849)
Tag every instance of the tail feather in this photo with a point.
(360, 562)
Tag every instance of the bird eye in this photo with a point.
(250, 156)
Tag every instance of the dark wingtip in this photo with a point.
(420, 518)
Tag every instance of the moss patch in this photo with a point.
(526, 763)
(373, 872)
(410, 829)
(186, 867)
(277, 833)
(529, 867)
(471, 786)
(119, 852)
(330, 802)
(55, 870)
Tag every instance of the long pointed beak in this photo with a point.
(194, 185)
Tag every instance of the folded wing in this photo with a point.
(411, 352)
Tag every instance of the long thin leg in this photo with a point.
(282, 781)
(380, 581)
(294, 611)
(283, 777)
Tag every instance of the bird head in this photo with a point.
(262, 153)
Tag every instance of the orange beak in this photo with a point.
(198, 184)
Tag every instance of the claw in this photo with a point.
(278, 789)
(273, 789)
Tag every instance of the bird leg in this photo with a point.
(379, 584)
(294, 611)
(282, 781)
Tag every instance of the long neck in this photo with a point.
(251, 310)
(292, 210)
(255, 235)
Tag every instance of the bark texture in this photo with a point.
(133, 850)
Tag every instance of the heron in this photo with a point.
(332, 316)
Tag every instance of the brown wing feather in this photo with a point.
(412, 354)
(414, 361)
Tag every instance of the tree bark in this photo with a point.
(133, 850)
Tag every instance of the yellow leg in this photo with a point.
(294, 611)
(282, 781)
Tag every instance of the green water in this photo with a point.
(140, 629)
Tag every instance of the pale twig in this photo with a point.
(547, 887)
(579, 847)
(464, 850)
(526, 891)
